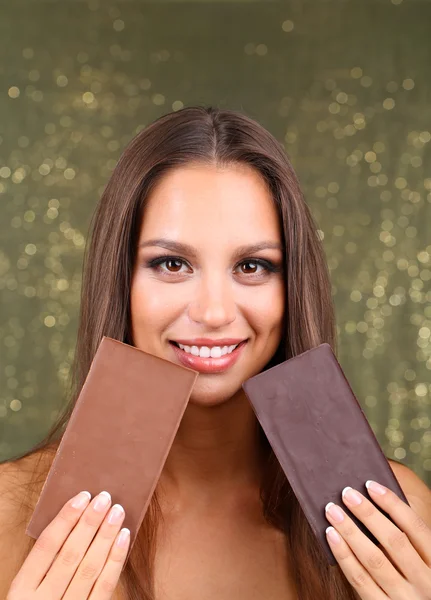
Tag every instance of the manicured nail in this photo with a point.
(116, 514)
(335, 512)
(375, 487)
(333, 535)
(81, 500)
(123, 538)
(351, 496)
(102, 501)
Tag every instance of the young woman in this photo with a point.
(203, 252)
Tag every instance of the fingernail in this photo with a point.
(102, 501)
(333, 535)
(123, 538)
(335, 512)
(375, 487)
(116, 514)
(351, 496)
(81, 500)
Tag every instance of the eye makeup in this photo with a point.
(267, 265)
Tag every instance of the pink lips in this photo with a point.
(210, 365)
(210, 343)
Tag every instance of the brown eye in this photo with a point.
(173, 264)
(249, 267)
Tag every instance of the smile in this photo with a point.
(206, 352)
(211, 358)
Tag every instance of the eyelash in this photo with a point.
(269, 266)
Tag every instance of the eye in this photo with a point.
(257, 267)
(167, 264)
(249, 267)
(173, 264)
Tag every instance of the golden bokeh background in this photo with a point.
(344, 85)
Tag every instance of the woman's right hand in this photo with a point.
(78, 556)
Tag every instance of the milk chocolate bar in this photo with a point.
(319, 434)
(119, 434)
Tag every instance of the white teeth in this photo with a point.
(205, 352)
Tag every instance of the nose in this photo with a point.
(213, 304)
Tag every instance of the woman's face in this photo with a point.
(207, 288)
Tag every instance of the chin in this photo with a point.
(211, 395)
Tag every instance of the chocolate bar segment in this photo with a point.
(320, 435)
(119, 434)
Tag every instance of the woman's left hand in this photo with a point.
(401, 570)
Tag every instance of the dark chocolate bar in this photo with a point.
(119, 434)
(320, 435)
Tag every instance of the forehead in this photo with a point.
(205, 201)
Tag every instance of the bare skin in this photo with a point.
(213, 542)
(244, 561)
(210, 484)
(222, 287)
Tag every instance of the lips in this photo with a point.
(209, 364)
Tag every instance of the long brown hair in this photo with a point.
(221, 138)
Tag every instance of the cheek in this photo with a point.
(153, 305)
(265, 307)
(147, 306)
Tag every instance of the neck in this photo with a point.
(216, 451)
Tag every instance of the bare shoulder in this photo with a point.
(19, 489)
(417, 492)
(411, 483)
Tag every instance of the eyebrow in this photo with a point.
(182, 248)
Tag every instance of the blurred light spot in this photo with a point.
(287, 25)
(13, 92)
(88, 97)
(408, 84)
(30, 249)
(49, 321)
(5, 172)
(118, 25)
(399, 453)
(15, 405)
(350, 327)
(62, 81)
(158, 99)
(421, 390)
(261, 49)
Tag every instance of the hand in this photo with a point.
(399, 571)
(78, 556)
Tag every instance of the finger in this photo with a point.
(395, 541)
(48, 544)
(108, 579)
(94, 560)
(66, 563)
(405, 517)
(368, 554)
(355, 573)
